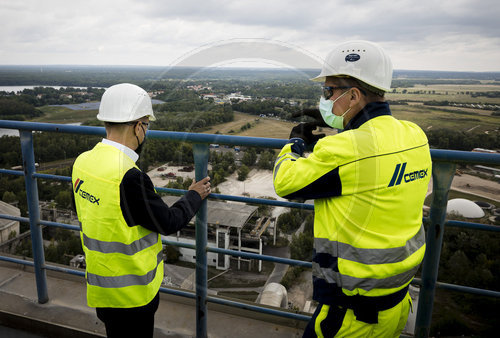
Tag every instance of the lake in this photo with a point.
(79, 106)
(16, 89)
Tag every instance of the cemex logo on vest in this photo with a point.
(78, 190)
(399, 173)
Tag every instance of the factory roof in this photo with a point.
(222, 213)
(7, 209)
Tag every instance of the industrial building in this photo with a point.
(233, 226)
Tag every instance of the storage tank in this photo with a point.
(274, 294)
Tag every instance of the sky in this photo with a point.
(444, 35)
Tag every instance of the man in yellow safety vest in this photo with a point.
(122, 218)
(368, 183)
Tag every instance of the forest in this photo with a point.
(12, 108)
(105, 76)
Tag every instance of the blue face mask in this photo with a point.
(326, 110)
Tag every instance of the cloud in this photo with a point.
(454, 35)
(289, 14)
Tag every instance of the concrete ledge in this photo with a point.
(43, 328)
(67, 315)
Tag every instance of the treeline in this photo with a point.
(476, 105)
(304, 89)
(105, 76)
(281, 109)
(184, 119)
(408, 83)
(13, 108)
(490, 94)
(76, 76)
(48, 147)
(42, 96)
(456, 140)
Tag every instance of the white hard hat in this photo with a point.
(125, 102)
(363, 60)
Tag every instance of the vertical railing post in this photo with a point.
(201, 164)
(442, 176)
(34, 214)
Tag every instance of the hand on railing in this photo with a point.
(202, 187)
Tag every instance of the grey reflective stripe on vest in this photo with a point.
(276, 168)
(350, 283)
(371, 256)
(125, 280)
(118, 247)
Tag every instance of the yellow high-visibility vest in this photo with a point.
(124, 264)
(369, 185)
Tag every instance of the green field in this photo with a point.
(464, 119)
(450, 92)
(54, 114)
(428, 117)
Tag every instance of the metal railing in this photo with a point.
(444, 166)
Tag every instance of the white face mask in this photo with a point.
(326, 110)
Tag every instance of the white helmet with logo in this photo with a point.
(363, 60)
(125, 102)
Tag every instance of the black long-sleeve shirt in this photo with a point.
(141, 205)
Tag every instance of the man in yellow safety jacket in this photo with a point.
(122, 217)
(368, 184)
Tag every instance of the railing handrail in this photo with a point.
(441, 155)
(444, 165)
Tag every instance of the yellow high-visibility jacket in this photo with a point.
(368, 184)
(124, 263)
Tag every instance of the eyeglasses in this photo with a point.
(328, 91)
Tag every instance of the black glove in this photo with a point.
(304, 131)
(314, 113)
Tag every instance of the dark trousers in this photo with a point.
(130, 322)
(330, 325)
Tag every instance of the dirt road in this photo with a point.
(475, 186)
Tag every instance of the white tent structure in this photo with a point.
(465, 208)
